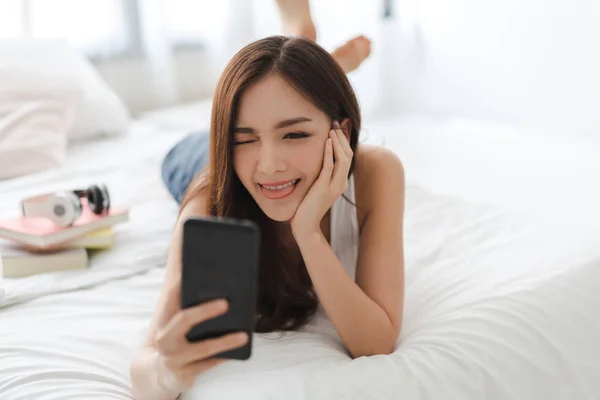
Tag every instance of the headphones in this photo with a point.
(65, 207)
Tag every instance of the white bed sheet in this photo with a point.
(498, 306)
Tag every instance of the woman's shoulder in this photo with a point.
(195, 202)
(376, 169)
(372, 156)
(376, 165)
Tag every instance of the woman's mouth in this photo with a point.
(278, 190)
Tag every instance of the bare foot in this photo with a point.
(352, 53)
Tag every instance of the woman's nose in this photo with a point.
(270, 159)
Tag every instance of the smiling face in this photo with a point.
(279, 141)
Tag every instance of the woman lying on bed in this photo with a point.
(283, 151)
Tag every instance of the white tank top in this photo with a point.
(345, 237)
(344, 229)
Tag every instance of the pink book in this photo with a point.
(42, 233)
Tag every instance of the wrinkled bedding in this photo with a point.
(498, 305)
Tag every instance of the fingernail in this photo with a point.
(222, 304)
(336, 124)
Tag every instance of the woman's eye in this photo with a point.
(243, 142)
(296, 135)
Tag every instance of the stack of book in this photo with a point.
(35, 245)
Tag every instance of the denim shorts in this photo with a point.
(184, 161)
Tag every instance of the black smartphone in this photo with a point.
(220, 259)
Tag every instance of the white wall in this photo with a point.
(529, 62)
(534, 62)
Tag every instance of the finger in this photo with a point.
(346, 145)
(173, 335)
(342, 166)
(339, 181)
(338, 151)
(208, 348)
(344, 140)
(327, 170)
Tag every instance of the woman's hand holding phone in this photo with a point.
(181, 361)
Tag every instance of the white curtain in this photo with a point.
(218, 27)
(150, 51)
(161, 35)
(95, 27)
(154, 34)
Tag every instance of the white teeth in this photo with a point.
(280, 186)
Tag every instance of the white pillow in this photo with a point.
(36, 112)
(99, 112)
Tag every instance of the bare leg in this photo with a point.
(296, 18)
(297, 21)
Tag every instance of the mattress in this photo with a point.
(499, 304)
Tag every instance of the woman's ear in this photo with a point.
(346, 126)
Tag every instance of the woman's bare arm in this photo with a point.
(367, 312)
(150, 379)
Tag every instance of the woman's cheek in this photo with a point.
(313, 159)
(241, 165)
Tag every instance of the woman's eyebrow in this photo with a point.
(279, 125)
(291, 121)
(240, 129)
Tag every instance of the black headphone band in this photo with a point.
(101, 192)
(84, 192)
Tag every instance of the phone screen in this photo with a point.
(220, 259)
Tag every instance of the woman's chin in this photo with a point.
(280, 215)
(283, 213)
(280, 210)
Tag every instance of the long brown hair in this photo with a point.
(286, 295)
